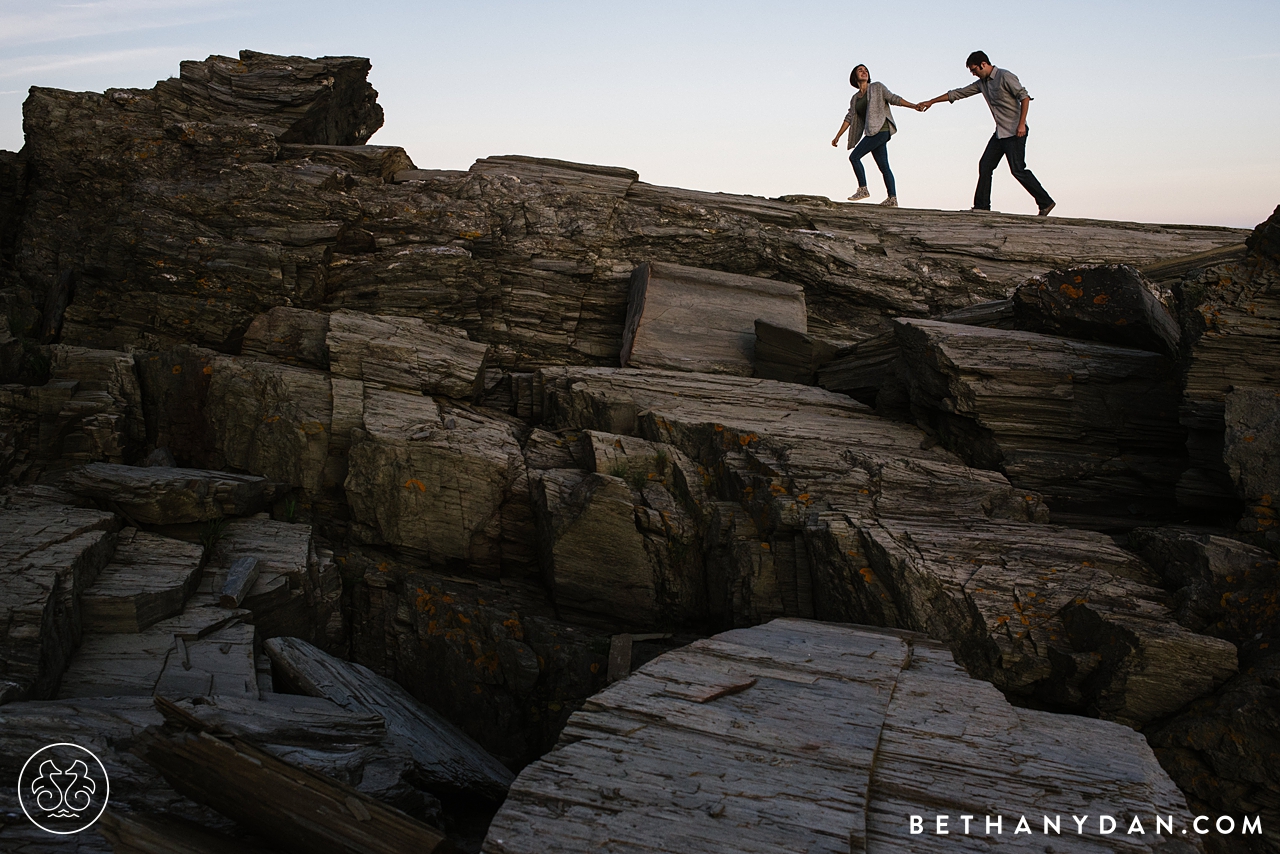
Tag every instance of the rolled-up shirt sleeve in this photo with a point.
(956, 94)
(1014, 86)
(893, 99)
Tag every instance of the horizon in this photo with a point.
(744, 98)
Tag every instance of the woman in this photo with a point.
(870, 124)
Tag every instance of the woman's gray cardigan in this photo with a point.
(878, 100)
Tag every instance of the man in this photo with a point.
(1009, 103)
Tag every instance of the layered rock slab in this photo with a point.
(164, 495)
(149, 578)
(669, 759)
(690, 319)
(1093, 427)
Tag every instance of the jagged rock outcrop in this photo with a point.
(221, 302)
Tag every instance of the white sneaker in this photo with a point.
(891, 202)
(863, 193)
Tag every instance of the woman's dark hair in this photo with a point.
(853, 75)
(976, 58)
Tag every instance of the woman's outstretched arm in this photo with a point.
(844, 126)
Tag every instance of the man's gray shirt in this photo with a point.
(1004, 94)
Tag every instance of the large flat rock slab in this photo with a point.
(689, 319)
(163, 495)
(805, 736)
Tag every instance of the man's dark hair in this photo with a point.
(853, 75)
(976, 58)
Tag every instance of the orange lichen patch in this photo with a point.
(488, 661)
(747, 439)
(1074, 293)
(382, 567)
(719, 428)
(312, 427)
(177, 369)
(464, 620)
(271, 419)
(1081, 600)
(866, 573)
(595, 667)
(804, 496)
(469, 235)
(1025, 621)
(1120, 321)
(777, 488)
(864, 491)
(208, 370)
(412, 482)
(1079, 279)
(477, 690)
(1101, 299)
(1001, 620)
(764, 546)
(1251, 438)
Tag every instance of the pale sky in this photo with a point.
(1149, 111)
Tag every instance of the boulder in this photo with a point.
(440, 481)
(1221, 586)
(161, 495)
(687, 319)
(290, 335)
(405, 354)
(325, 101)
(787, 355)
(1113, 303)
(1219, 751)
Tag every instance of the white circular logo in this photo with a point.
(63, 788)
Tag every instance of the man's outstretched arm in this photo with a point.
(953, 95)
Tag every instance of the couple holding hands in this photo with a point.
(870, 124)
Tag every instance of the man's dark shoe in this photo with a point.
(1044, 211)
(979, 210)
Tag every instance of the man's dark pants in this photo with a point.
(1015, 149)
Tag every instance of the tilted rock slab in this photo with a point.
(49, 554)
(801, 735)
(689, 319)
(291, 335)
(161, 495)
(1091, 426)
(446, 757)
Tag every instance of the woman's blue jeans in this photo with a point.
(877, 147)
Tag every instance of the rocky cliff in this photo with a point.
(472, 444)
